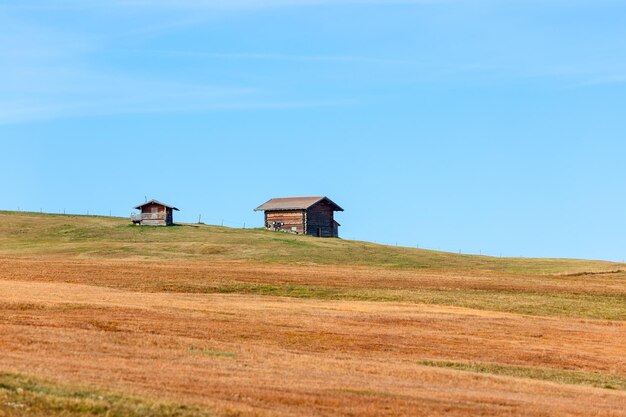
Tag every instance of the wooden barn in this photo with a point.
(312, 216)
(154, 213)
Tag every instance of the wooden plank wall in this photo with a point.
(293, 220)
(320, 220)
(148, 209)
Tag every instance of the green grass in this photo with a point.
(559, 376)
(21, 396)
(210, 352)
(35, 234)
(363, 392)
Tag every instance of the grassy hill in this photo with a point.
(109, 252)
(34, 234)
(102, 318)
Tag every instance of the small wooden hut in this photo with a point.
(154, 213)
(312, 216)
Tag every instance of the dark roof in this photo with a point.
(156, 202)
(295, 203)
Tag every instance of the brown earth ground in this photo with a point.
(238, 337)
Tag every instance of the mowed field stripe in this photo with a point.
(65, 293)
(599, 296)
(69, 293)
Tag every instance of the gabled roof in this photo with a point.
(156, 202)
(295, 203)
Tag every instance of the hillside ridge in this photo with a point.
(91, 236)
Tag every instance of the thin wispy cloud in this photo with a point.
(607, 79)
(209, 4)
(133, 56)
(142, 99)
(25, 112)
(264, 4)
(53, 79)
(81, 93)
(256, 56)
(51, 74)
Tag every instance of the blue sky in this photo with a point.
(483, 126)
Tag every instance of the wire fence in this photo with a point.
(256, 224)
(250, 224)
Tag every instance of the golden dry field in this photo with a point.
(98, 318)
